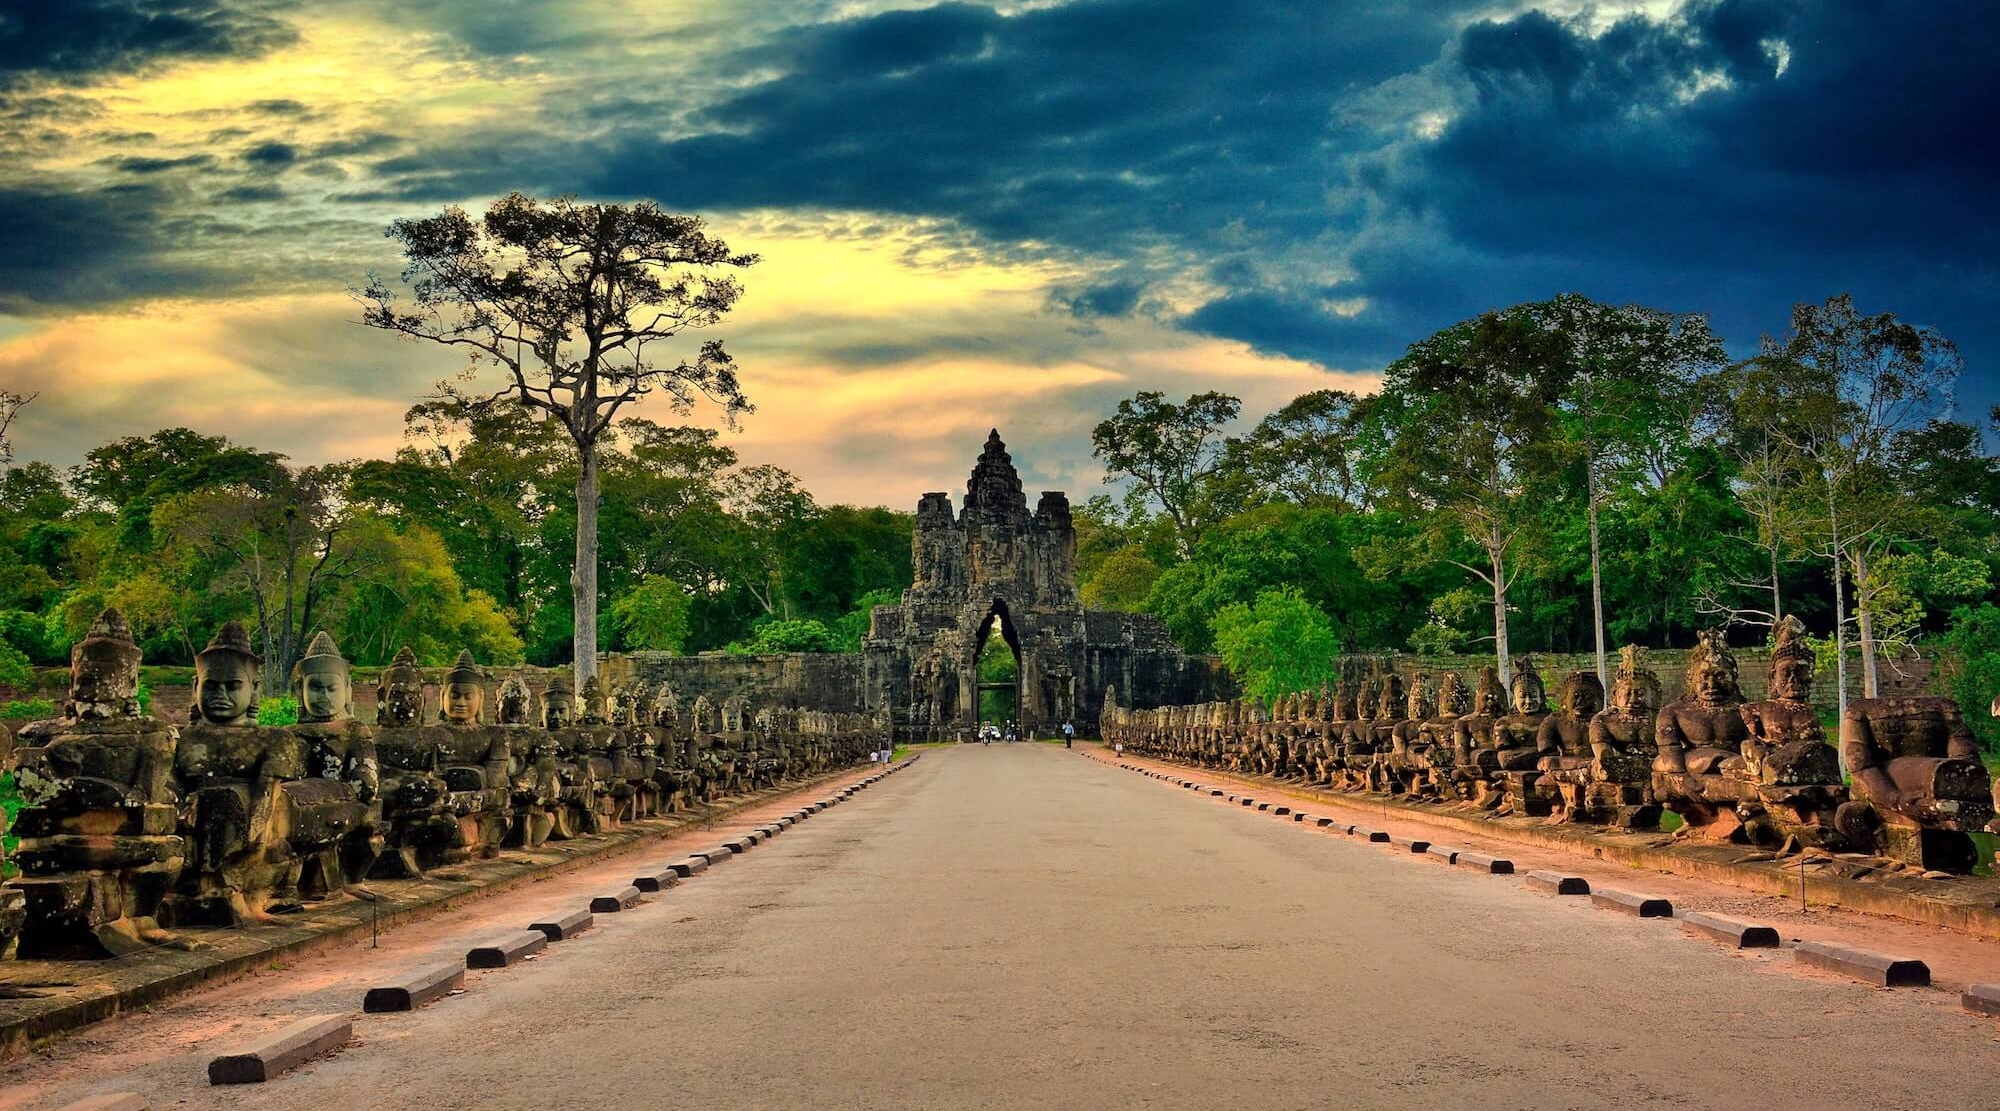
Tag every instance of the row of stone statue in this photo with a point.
(1732, 769)
(134, 827)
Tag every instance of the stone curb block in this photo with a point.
(1410, 844)
(688, 867)
(1627, 902)
(1373, 836)
(415, 989)
(506, 949)
(752, 837)
(1263, 806)
(1281, 811)
(739, 844)
(611, 902)
(1879, 969)
(1445, 853)
(1301, 816)
(1982, 999)
(109, 1101)
(1215, 793)
(566, 927)
(1733, 932)
(654, 882)
(1248, 801)
(1322, 822)
(284, 1049)
(1558, 883)
(1480, 862)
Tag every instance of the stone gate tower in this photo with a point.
(994, 568)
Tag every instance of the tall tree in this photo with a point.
(1470, 418)
(1309, 452)
(575, 302)
(286, 550)
(1838, 392)
(1173, 454)
(1628, 404)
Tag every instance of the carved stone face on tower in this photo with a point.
(225, 678)
(322, 684)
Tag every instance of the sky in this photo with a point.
(971, 214)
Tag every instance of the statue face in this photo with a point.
(1528, 698)
(1485, 702)
(226, 689)
(557, 711)
(1714, 685)
(463, 700)
(1791, 681)
(402, 701)
(325, 694)
(1584, 700)
(103, 673)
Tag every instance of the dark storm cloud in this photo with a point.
(271, 156)
(68, 40)
(1095, 124)
(61, 247)
(1763, 150)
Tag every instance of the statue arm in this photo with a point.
(1548, 737)
(1857, 746)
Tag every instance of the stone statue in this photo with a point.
(1917, 772)
(1395, 770)
(1702, 731)
(590, 703)
(1473, 754)
(1615, 787)
(337, 845)
(399, 692)
(559, 702)
(99, 848)
(226, 675)
(516, 701)
(464, 699)
(1510, 788)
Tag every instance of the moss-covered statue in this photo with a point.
(533, 775)
(422, 832)
(231, 769)
(100, 849)
(338, 750)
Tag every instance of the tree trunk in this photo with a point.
(1499, 560)
(1839, 614)
(1871, 678)
(583, 576)
(1777, 600)
(1597, 583)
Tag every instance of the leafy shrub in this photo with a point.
(282, 710)
(1969, 667)
(794, 635)
(1278, 644)
(27, 709)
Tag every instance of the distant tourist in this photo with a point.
(1069, 735)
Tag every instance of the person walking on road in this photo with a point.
(1069, 735)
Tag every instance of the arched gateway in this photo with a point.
(996, 569)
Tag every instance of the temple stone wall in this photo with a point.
(829, 681)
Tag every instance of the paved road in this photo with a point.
(1016, 926)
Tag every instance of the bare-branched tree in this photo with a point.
(577, 303)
